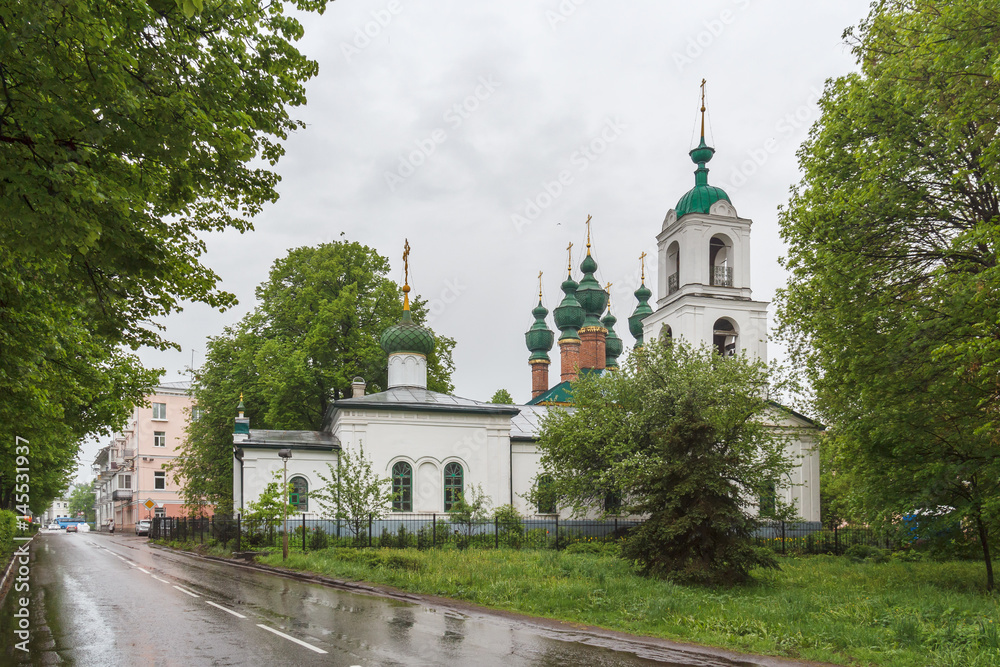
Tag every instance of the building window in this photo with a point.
(720, 252)
(196, 414)
(160, 411)
(724, 337)
(546, 495)
(402, 487)
(769, 501)
(298, 494)
(452, 485)
(612, 502)
(160, 512)
(159, 481)
(159, 438)
(124, 481)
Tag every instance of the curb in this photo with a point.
(7, 578)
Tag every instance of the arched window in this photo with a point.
(720, 261)
(402, 487)
(724, 337)
(666, 334)
(453, 477)
(673, 268)
(298, 494)
(546, 495)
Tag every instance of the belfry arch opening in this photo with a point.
(673, 267)
(725, 337)
(666, 334)
(720, 261)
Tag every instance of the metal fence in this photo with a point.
(443, 530)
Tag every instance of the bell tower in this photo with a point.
(704, 269)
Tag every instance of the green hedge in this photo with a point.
(8, 527)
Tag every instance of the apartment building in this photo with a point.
(131, 469)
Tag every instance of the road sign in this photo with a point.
(149, 504)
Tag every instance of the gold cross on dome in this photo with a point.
(569, 264)
(642, 263)
(539, 285)
(588, 233)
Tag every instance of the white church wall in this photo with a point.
(260, 466)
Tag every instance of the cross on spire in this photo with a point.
(539, 286)
(642, 263)
(608, 289)
(406, 274)
(569, 265)
(588, 233)
(703, 109)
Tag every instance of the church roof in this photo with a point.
(422, 400)
(560, 394)
(271, 439)
(527, 424)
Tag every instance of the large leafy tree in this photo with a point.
(127, 130)
(893, 238)
(678, 435)
(316, 327)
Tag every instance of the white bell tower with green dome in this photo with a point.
(703, 290)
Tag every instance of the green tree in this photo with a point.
(471, 507)
(317, 325)
(677, 435)
(127, 131)
(81, 501)
(893, 236)
(502, 397)
(353, 492)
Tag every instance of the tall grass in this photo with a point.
(819, 608)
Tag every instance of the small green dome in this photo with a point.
(569, 314)
(700, 198)
(641, 312)
(407, 336)
(613, 345)
(539, 337)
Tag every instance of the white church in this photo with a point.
(434, 446)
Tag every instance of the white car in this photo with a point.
(53, 526)
(142, 527)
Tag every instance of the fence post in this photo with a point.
(615, 535)
(782, 538)
(496, 532)
(434, 530)
(557, 532)
(211, 528)
(239, 533)
(369, 529)
(303, 532)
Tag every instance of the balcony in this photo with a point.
(673, 283)
(121, 494)
(722, 276)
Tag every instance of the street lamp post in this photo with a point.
(285, 454)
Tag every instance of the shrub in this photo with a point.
(865, 553)
(597, 547)
(319, 539)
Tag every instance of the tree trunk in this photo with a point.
(983, 535)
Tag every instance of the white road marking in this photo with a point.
(146, 571)
(183, 590)
(158, 579)
(292, 639)
(131, 563)
(230, 611)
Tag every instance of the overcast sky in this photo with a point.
(452, 122)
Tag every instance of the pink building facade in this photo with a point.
(132, 468)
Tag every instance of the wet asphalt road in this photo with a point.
(112, 600)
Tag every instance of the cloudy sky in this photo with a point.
(452, 123)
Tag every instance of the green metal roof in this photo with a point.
(700, 198)
(407, 336)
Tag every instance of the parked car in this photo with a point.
(142, 527)
(71, 528)
(53, 526)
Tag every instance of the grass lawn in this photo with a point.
(822, 608)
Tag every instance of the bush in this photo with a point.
(509, 526)
(865, 553)
(596, 547)
(8, 525)
(318, 540)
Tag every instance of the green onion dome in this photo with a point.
(700, 198)
(641, 312)
(539, 337)
(613, 345)
(569, 314)
(407, 336)
(590, 294)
